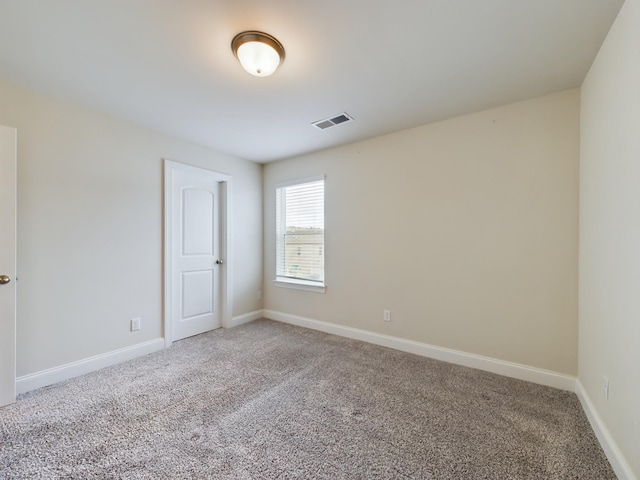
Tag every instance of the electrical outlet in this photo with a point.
(259, 295)
(135, 324)
(387, 315)
(605, 388)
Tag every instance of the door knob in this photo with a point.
(4, 279)
(219, 262)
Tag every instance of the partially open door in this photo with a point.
(8, 148)
(196, 250)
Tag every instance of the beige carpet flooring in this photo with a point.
(272, 401)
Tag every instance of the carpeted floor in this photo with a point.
(271, 401)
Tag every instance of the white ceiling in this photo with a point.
(168, 65)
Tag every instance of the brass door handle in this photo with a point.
(4, 279)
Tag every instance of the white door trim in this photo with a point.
(226, 245)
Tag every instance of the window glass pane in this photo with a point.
(300, 231)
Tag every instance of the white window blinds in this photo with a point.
(300, 231)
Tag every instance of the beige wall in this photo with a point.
(610, 233)
(471, 228)
(90, 228)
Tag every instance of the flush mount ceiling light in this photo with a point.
(259, 53)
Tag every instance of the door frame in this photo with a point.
(226, 245)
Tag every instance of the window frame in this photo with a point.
(296, 283)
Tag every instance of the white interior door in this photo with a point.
(194, 276)
(8, 145)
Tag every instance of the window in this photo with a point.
(300, 234)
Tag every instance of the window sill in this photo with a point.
(300, 285)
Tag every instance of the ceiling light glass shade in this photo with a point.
(260, 54)
(258, 59)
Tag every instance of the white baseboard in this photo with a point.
(246, 318)
(611, 450)
(50, 376)
(508, 369)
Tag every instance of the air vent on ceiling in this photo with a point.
(333, 121)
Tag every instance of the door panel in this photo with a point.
(197, 214)
(196, 293)
(8, 144)
(195, 247)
